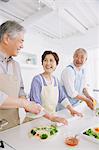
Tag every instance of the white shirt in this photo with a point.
(68, 80)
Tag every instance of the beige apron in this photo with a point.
(49, 96)
(9, 85)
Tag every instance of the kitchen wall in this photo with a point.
(37, 44)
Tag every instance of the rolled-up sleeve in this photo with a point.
(68, 79)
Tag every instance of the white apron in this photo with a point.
(49, 96)
(10, 85)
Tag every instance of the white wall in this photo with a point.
(37, 44)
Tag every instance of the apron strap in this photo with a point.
(42, 80)
(55, 81)
(72, 68)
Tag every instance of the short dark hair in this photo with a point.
(50, 52)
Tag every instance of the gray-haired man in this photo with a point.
(12, 94)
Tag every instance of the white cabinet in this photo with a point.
(27, 60)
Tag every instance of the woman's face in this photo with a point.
(79, 59)
(49, 63)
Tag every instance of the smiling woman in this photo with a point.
(47, 91)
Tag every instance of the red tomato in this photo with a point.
(37, 134)
(96, 129)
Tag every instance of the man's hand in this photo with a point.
(93, 100)
(74, 112)
(90, 103)
(32, 107)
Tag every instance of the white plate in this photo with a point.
(33, 116)
(90, 138)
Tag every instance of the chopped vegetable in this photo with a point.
(33, 132)
(97, 111)
(44, 136)
(51, 132)
(91, 132)
(44, 132)
(97, 130)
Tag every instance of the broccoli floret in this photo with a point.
(38, 128)
(51, 132)
(44, 136)
(89, 131)
(55, 130)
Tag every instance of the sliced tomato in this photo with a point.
(96, 129)
(37, 134)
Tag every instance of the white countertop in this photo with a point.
(19, 139)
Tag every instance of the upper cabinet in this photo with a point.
(27, 60)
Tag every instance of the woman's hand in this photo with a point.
(59, 119)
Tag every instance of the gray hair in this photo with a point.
(80, 50)
(12, 28)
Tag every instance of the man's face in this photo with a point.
(79, 58)
(15, 44)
